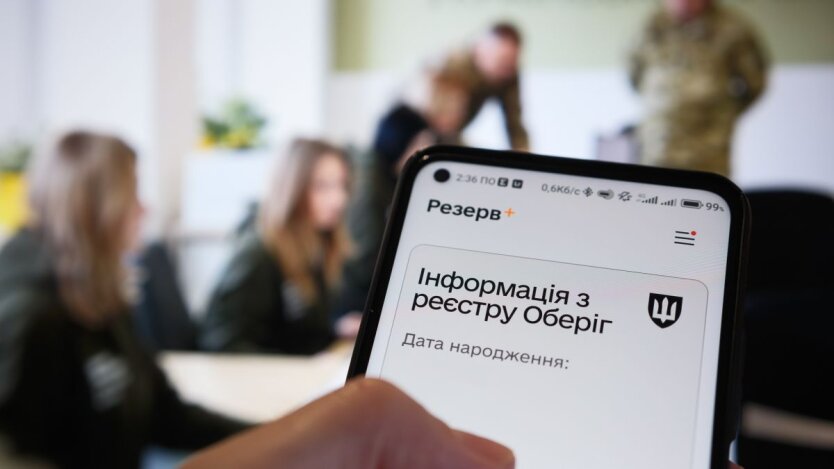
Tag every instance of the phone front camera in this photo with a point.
(441, 175)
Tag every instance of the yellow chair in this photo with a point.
(12, 201)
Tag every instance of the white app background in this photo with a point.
(636, 395)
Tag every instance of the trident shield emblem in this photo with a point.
(664, 310)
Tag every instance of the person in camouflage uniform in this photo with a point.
(698, 66)
(488, 69)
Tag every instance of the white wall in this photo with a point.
(786, 139)
(17, 68)
(123, 67)
(94, 67)
(175, 108)
(274, 52)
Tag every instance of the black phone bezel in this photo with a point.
(726, 412)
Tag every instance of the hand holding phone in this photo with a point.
(583, 313)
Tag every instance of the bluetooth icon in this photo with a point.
(588, 192)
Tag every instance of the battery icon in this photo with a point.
(690, 203)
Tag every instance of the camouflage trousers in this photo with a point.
(701, 148)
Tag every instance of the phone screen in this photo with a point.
(574, 319)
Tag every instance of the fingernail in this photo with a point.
(492, 454)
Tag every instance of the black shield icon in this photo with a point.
(664, 310)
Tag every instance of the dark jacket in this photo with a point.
(81, 397)
(254, 309)
(394, 134)
(366, 216)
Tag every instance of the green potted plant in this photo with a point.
(238, 126)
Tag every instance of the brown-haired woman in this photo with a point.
(76, 388)
(277, 292)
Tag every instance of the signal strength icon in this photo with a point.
(652, 200)
(670, 203)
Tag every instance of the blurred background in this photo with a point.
(209, 91)
(150, 71)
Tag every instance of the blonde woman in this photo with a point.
(276, 294)
(76, 388)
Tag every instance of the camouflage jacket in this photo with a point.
(461, 65)
(695, 79)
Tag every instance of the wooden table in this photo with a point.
(256, 387)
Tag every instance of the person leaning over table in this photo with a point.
(488, 69)
(76, 387)
(277, 293)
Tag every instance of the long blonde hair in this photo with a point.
(284, 223)
(80, 192)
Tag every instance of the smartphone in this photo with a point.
(582, 313)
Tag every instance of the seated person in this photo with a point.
(276, 293)
(76, 387)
